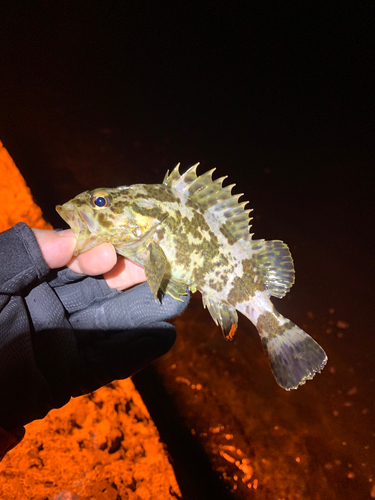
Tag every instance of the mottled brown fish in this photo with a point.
(191, 231)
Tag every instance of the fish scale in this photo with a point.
(190, 231)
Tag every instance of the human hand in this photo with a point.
(57, 249)
(64, 334)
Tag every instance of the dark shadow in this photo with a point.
(192, 466)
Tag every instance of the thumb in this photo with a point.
(57, 247)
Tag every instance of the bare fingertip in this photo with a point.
(64, 233)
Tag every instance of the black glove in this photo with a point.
(64, 334)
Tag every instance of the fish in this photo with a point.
(191, 232)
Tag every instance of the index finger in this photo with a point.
(124, 274)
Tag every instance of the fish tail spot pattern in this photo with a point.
(294, 356)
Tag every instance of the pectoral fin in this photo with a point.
(155, 267)
(135, 247)
(223, 314)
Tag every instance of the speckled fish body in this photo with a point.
(192, 232)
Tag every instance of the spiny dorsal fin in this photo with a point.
(170, 178)
(275, 265)
(210, 195)
(182, 182)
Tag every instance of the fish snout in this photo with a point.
(69, 214)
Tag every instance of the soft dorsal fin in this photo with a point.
(210, 195)
(275, 265)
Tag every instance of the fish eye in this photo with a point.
(100, 200)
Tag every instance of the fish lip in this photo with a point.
(66, 212)
(72, 216)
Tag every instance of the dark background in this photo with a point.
(284, 87)
(279, 96)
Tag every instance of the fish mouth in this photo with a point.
(79, 221)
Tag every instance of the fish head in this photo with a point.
(84, 214)
(115, 215)
(74, 214)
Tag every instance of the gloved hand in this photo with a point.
(64, 334)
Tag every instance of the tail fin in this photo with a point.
(294, 356)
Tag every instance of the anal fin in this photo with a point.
(223, 314)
